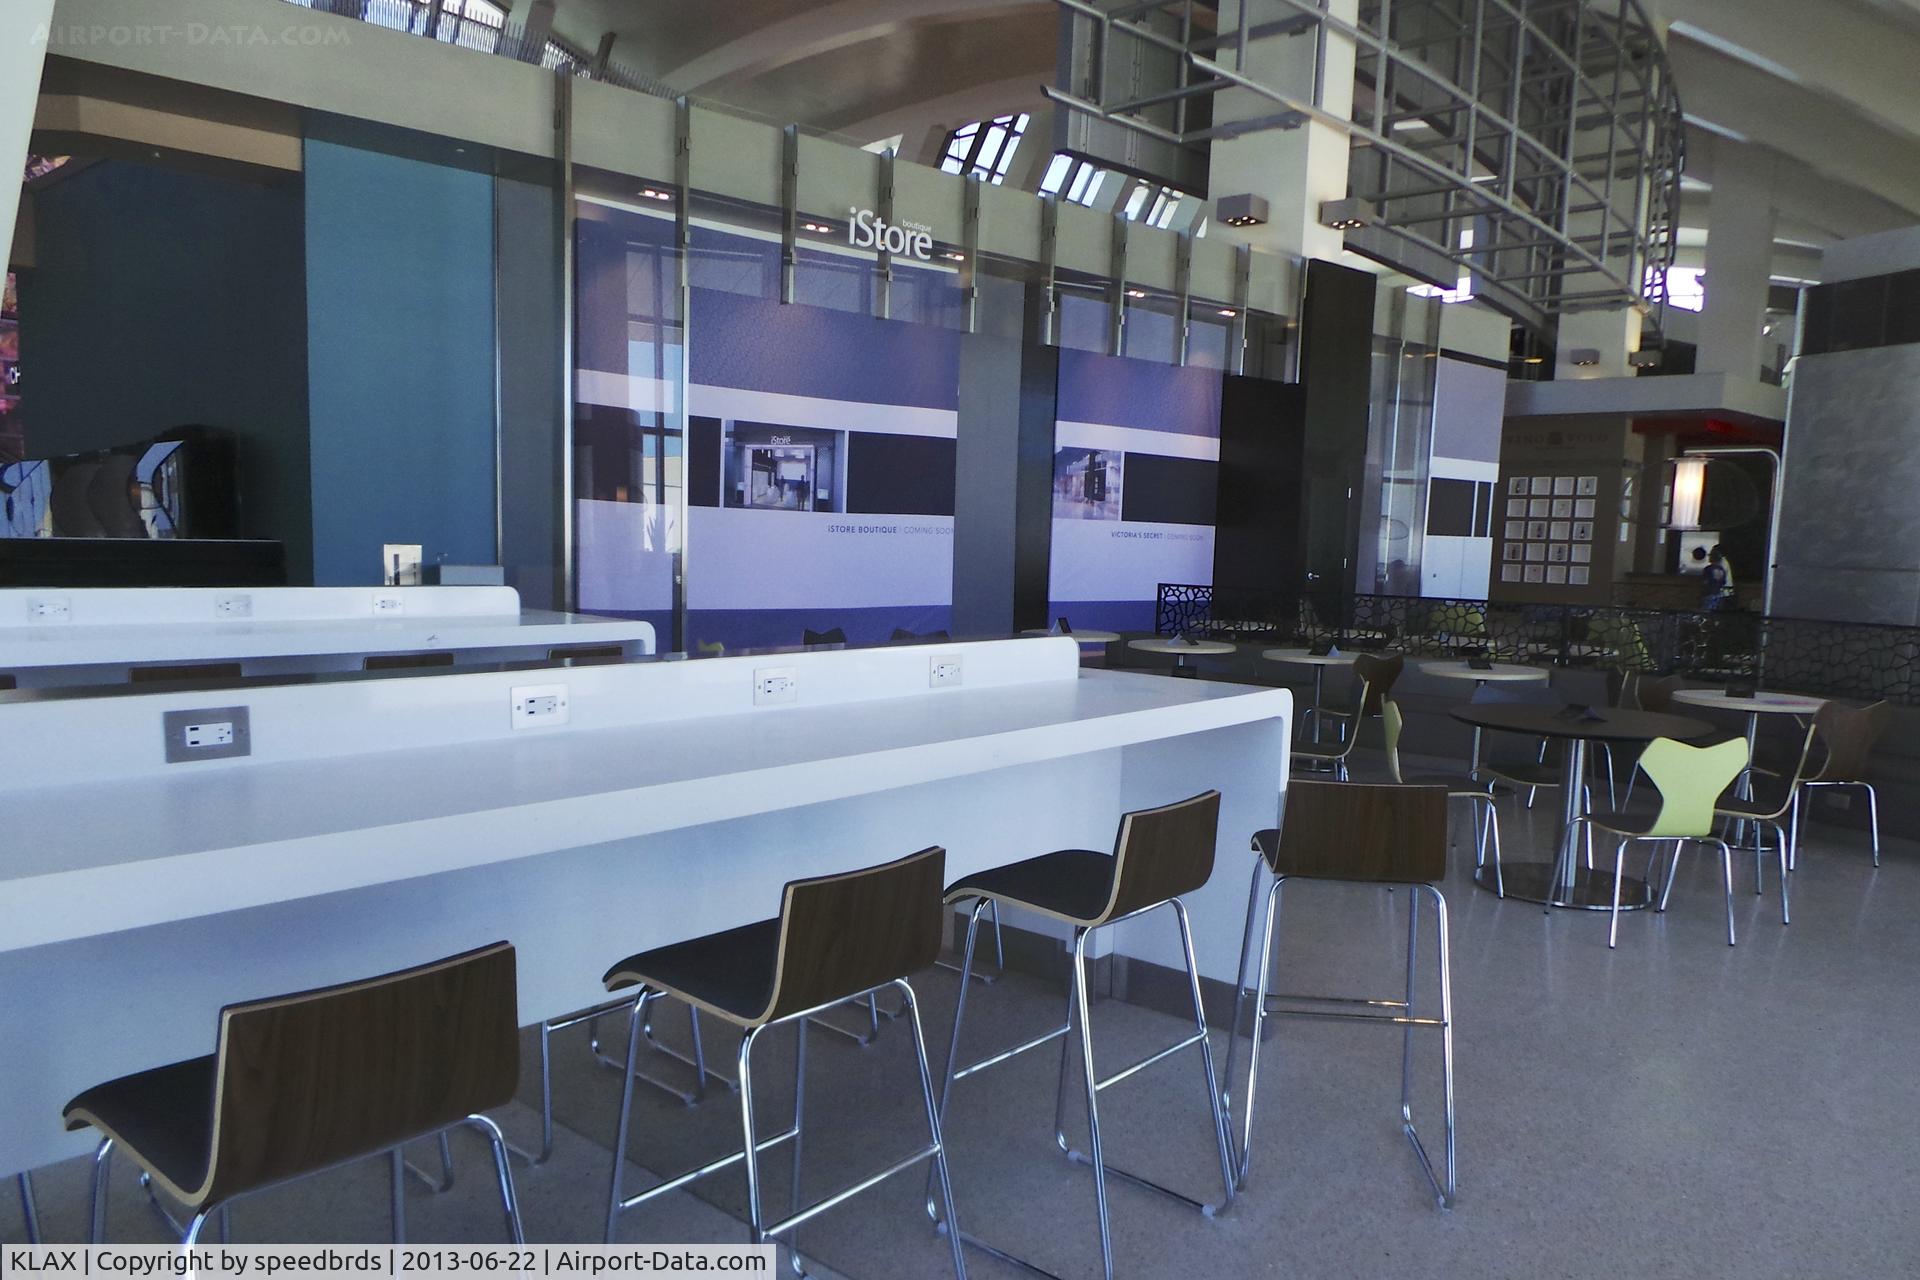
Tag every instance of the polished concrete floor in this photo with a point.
(1675, 1107)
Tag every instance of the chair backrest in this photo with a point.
(847, 933)
(185, 671)
(1655, 693)
(1690, 780)
(1163, 853)
(1849, 735)
(311, 1080)
(710, 649)
(810, 636)
(1376, 674)
(405, 661)
(1391, 723)
(1385, 833)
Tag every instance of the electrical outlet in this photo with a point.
(775, 684)
(207, 733)
(233, 607)
(387, 604)
(943, 671)
(49, 610)
(538, 705)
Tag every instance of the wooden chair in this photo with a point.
(1687, 779)
(836, 938)
(1159, 856)
(1373, 679)
(1848, 735)
(302, 1083)
(1354, 833)
(1766, 800)
(405, 661)
(180, 672)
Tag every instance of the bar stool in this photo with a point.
(836, 938)
(299, 1084)
(1159, 855)
(1355, 833)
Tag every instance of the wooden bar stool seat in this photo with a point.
(302, 1083)
(837, 938)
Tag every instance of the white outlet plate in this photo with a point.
(540, 706)
(208, 733)
(50, 610)
(943, 671)
(238, 606)
(775, 685)
(387, 604)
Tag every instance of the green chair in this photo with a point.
(1689, 780)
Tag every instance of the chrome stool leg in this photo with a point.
(28, 1211)
(999, 954)
(503, 1171)
(1390, 1012)
(97, 1193)
(1078, 1015)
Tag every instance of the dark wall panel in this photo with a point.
(1336, 355)
(1167, 490)
(899, 475)
(1256, 543)
(703, 462)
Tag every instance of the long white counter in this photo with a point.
(53, 637)
(136, 897)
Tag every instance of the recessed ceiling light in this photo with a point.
(954, 256)
(820, 227)
(1228, 311)
(654, 193)
(1136, 293)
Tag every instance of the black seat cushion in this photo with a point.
(730, 973)
(162, 1118)
(1070, 884)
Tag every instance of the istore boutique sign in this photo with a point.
(867, 230)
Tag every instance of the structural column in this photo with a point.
(1739, 262)
(1294, 170)
(23, 50)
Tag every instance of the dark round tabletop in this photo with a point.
(1616, 724)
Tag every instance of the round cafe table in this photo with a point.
(1180, 649)
(1760, 704)
(1084, 637)
(1498, 673)
(1566, 881)
(1319, 662)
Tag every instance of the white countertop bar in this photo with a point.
(113, 629)
(382, 822)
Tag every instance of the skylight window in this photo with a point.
(985, 148)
